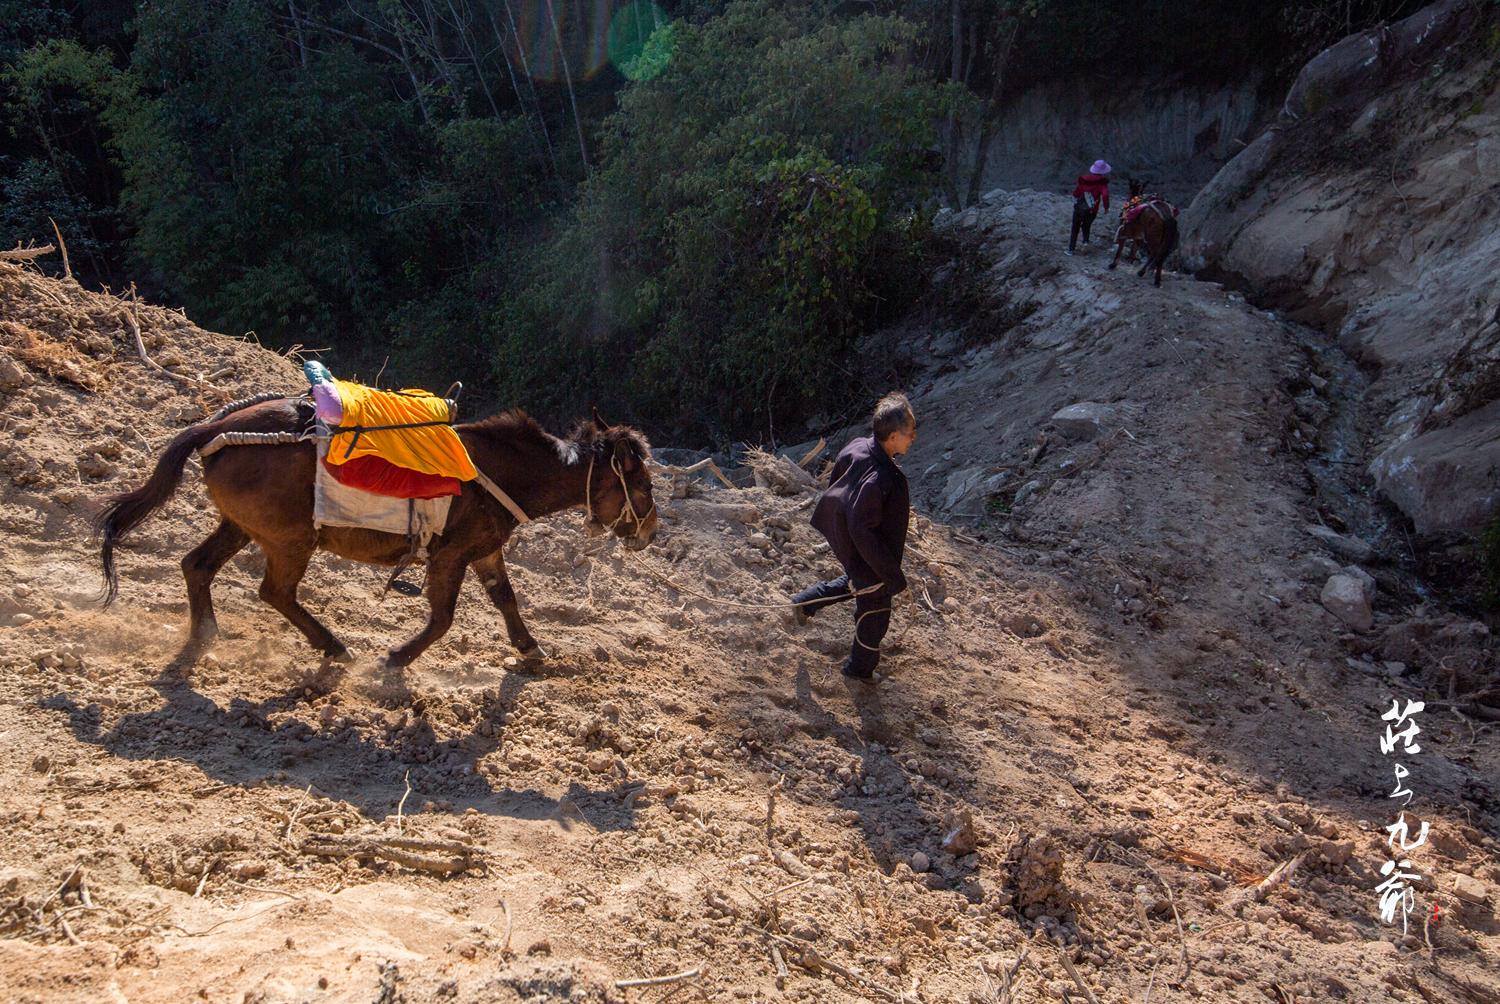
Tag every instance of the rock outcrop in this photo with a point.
(1175, 134)
(1387, 237)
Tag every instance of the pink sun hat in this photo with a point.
(1099, 167)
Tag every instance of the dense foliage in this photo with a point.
(685, 211)
(750, 199)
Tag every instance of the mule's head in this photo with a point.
(617, 492)
(1137, 186)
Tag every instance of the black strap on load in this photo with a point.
(450, 399)
(360, 430)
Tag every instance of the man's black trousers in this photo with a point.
(872, 616)
(1083, 220)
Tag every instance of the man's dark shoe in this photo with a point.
(867, 675)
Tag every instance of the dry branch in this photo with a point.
(421, 863)
(781, 971)
(771, 811)
(813, 453)
(1073, 973)
(26, 254)
(208, 866)
(67, 268)
(790, 886)
(292, 821)
(402, 804)
(152, 364)
(1281, 873)
(702, 465)
(444, 857)
(658, 981)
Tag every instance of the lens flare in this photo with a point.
(640, 40)
(551, 40)
(547, 32)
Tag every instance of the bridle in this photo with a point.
(628, 509)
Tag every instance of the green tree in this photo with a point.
(285, 174)
(54, 92)
(728, 235)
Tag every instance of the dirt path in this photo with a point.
(1131, 691)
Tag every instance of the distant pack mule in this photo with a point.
(1154, 227)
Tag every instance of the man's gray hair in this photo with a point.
(892, 414)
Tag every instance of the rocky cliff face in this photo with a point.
(1370, 209)
(1179, 136)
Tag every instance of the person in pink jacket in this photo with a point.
(1090, 195)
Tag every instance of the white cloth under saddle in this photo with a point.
(339, 505)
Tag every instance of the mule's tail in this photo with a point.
(124, 512)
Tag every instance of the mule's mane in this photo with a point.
(515, 425)
(511, 427)
(511, 421)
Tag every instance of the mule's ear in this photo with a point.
(599, 422)
(624, 454)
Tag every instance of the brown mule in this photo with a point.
(1154, 227)
(264, 493)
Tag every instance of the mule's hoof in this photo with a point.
(532, 653)
(343, 657)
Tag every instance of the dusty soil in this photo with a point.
(1126, 707)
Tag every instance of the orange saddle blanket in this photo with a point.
(400, 444)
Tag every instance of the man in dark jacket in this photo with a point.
(864, 515)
